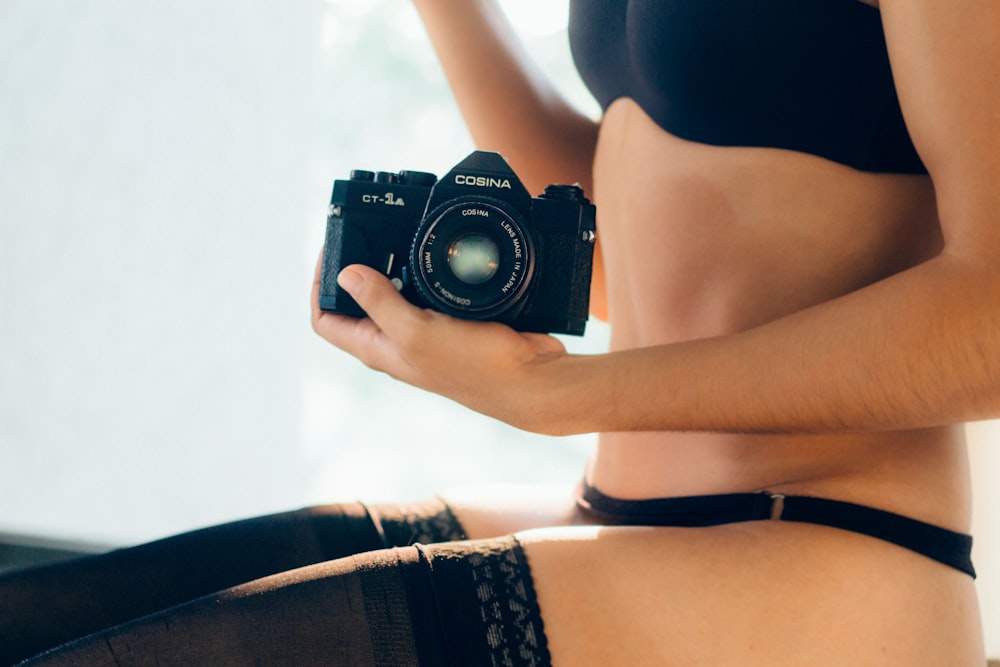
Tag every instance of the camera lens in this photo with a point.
(473, 258)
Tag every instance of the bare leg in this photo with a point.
(760, 593)
(492, 510)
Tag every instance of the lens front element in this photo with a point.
(474, 258)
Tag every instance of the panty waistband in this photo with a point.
(945, 546)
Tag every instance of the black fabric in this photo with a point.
(945, 546)
(350, 612)
(425, 522)
(812, 77)
(46, 606)
(685, 511)
(487, 603)
(461, 605)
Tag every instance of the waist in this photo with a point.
(923, 473)
(700, 240)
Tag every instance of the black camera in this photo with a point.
(474, 244)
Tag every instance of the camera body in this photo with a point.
(474, 244)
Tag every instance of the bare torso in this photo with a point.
(702, 241)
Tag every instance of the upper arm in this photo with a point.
(509, 104)
(946, 62)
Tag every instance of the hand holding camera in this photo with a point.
(474, 245)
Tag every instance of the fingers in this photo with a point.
(486, 366)
(393, 314)
(377, 339)
(314, 297)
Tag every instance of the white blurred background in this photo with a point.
(164, 174)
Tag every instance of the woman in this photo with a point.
(803, 302)
(824, 311)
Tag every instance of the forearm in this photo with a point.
(919, 349)
(507, 102)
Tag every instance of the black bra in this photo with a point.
(806, 75)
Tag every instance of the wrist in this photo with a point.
(559, 397)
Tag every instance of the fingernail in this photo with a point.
(350, 280)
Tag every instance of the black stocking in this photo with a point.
(48, 606)
(465, 603)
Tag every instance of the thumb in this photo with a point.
(352, 280)
(377, 296)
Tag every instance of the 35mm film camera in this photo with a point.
(473, 244)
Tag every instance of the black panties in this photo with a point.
(945, 546)
(316, 586)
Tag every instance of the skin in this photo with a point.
(779, 322)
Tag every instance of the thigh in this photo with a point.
(746, 594)
(43, 607)
(462, 603)
(46, 606)
(762, 593)
(492, 510)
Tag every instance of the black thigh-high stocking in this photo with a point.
(462, 604)
(47, 606)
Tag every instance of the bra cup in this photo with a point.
(813, 77)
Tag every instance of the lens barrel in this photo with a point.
(472, 257)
